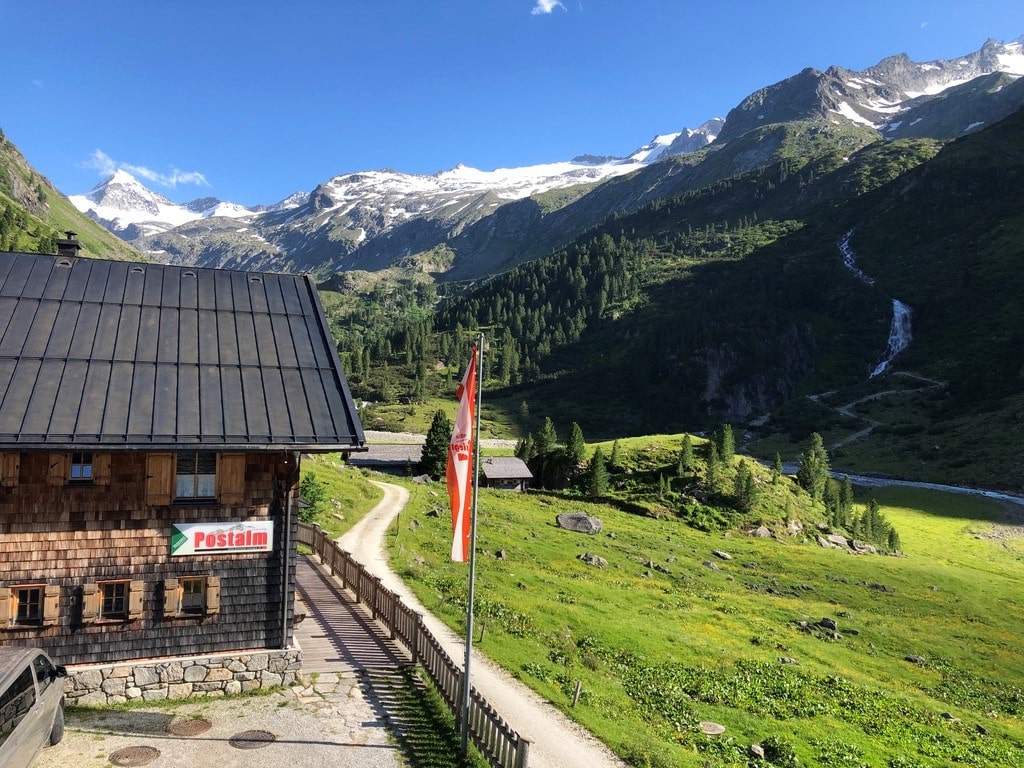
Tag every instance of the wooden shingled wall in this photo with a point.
(70, 536)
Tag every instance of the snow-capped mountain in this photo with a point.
(879, 96)
(122, 201)
(493, 219)
(680, 143)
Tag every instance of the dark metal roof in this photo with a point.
(109, 354)
(505, 468)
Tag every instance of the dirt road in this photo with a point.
(557, 742)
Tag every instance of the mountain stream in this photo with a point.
(899, 330)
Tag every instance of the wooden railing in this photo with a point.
(502, 746)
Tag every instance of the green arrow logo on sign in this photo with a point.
(178, 539)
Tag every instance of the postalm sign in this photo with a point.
(222, 538)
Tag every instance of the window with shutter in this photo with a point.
(5, 607)
(196, 475)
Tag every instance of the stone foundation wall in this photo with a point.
(181, 677)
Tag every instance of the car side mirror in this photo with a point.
(60, 671)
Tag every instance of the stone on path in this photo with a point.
(711, 729)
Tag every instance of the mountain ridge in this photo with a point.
(375, 219)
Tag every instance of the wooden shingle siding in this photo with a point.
(74, 537)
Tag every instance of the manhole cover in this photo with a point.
(251, 739)
(134, 756)
(191, 727)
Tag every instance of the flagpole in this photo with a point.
(472, 546)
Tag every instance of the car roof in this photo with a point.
(12, 661)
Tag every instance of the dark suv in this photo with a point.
(31, 705)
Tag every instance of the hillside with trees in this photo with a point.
(730, 301)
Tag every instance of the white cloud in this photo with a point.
(546, 6)
(106, 165)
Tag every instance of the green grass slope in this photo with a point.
(922, 669)
(38, 213)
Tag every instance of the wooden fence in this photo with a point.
(503, 747)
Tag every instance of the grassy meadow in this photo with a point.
(922, 669)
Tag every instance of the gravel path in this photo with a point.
(557, 742)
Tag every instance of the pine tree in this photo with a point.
(434, 458)
(727, 445)
(894, 540)
(525, 448)
(845, 501)
(813, 471)
(662, 487)
(830, 497)
(745, 488)
(712, 466)
(597, 475)
(777, 470)
(615, 460)
(547, 438)
(686, 455)
(575, 448)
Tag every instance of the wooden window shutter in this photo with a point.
(172, 598)
(231, 478)
(51, 604)
(5, 607)
(90, 602)
(58, 474)
(159, 479)
(101, 468)
(10, 465)
(213, 594)
(135, 590)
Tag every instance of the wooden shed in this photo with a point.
(152, 420)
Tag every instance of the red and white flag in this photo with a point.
(459, 471)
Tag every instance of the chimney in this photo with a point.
(69, 246)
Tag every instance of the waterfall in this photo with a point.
(899, 329)
(899, 335)
(850, 259)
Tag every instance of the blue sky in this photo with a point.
(252, 101)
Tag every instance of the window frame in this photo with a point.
(197, 596)
(175, 591)
(210, 478)
(14, 598)
(85, 465)
(18, 592)
(102, 614)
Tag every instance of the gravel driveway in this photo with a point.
(324, 721)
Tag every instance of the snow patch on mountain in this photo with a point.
(122, 201)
